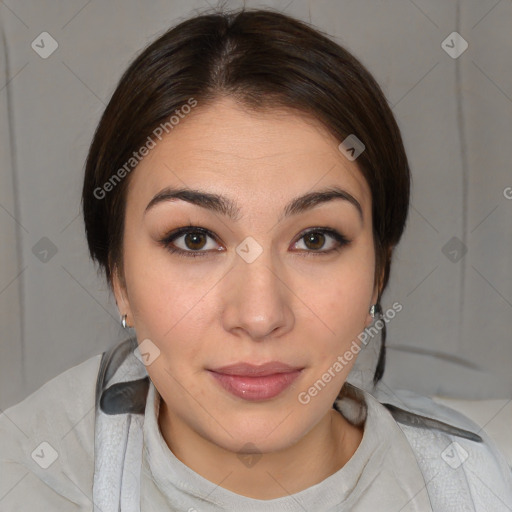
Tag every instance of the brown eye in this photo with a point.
(314, 240)
(191, 241)
(195, 240)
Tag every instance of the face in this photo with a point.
(258, 281)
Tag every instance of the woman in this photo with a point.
(243, 194)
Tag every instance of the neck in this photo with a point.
(323, 450)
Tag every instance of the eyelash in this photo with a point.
(172, 236)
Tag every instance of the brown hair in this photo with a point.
(263, 59)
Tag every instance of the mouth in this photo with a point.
(256, 382)
(243, 369)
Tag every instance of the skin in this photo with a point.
(291, 304)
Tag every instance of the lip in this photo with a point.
(256, 382)
(243, 369)
(256, 388)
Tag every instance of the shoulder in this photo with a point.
(47, 444)
(455, 455)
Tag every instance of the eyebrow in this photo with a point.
(225, 206)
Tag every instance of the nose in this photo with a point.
(257, 299)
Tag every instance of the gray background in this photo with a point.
(453, 335)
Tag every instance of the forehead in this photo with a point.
(264, 156)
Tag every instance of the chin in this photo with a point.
(271, 434)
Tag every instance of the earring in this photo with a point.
(123, 322)
(374, 310)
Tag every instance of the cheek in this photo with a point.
(343, 301)
(349, 298)
(161, 295)
(175, 312)
(348, 288)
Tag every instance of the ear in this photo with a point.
(121, 295)
(375, 296)
(377, 290)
